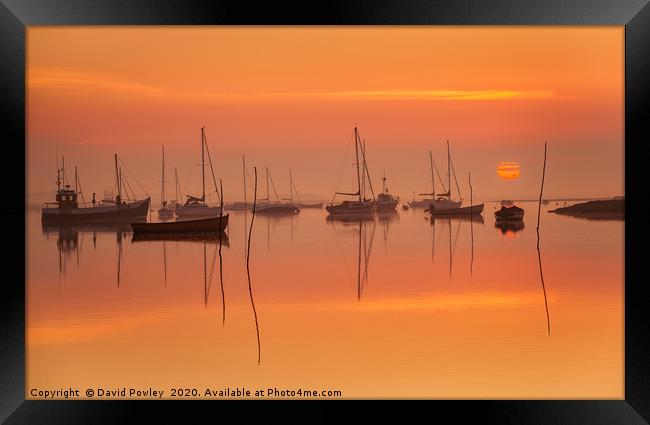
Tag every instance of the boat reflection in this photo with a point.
(70, 239)
(509, 227)
(212, 237)
(446, 222)
(350, 219)
(365, 226)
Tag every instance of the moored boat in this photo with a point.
(195, 206)
(362, 205)
(469, 210)
(66, 208)
(210, 224)
(276, 207)
(509, 213)
(385, 201)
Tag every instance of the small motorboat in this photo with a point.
(405, 207)
(509, 213)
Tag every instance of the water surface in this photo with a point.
(395, 306)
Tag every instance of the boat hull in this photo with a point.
(277, 209)
(212, 224)
(350, 209)
(471, 210)
(315, 206)
(125, 212)
(202, 211)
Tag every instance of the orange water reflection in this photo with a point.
(382, 308)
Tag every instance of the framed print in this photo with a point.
(366, 201)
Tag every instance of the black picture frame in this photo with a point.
(16, 15)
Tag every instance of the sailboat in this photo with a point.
(444, 205)
(385, 201)
(166, 210)
(275, 207)
(66, 208)
(360, 206)
(241, 206)
(426, 202)
(300, 204)
(195, 206)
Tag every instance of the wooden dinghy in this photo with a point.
(471, 210)
(211, 224)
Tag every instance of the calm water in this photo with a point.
(393, 307)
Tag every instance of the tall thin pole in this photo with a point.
(65, 178)
(448, 172)
(248, 271)
(541, 190)
(177, 186)
(539, 255)
(433, 181)
(471, 222)
(117, 178)
(203, 163)
(291, 186)
(356, 150)
(75, 179)
(162, 191)
(268, 194)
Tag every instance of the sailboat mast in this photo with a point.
(75, 179)
(117, 178)
(177, 185)
(203, 164)
(268, 194)
(356, 150)
(162, 192)
(243, 163)
(448, 172)
(290, 187)
(433, 181)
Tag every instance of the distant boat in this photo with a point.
(66, 208)
(195, 206)
(166, 210)
(210, 224)
(360, 206)
(275, 207)
(443, 200)
(469, 210)
(509, 213)
(241, 206)
(385, 201)
(300, 204)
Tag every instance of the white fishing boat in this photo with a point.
(196, 206)
(361, 205)
(385, 201)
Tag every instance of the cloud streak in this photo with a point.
(72, 80)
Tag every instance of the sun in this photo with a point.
(508, 170)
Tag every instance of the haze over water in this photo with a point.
(410, 323)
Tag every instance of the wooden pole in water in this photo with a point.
(471, 221)
(539, 255)
(248, 272)
(541, 190)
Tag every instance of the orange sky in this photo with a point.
(288, 97)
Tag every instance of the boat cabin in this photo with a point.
(66, 198)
